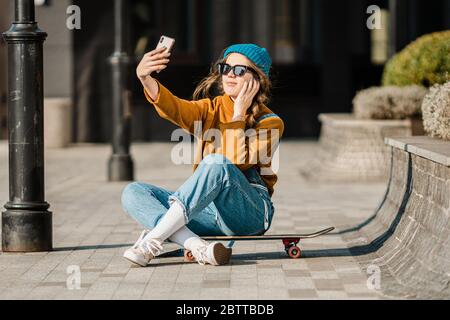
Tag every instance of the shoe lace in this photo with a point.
(152, 246)
(141, 237)
(200, 255)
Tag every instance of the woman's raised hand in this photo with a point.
(155, 60)
(245, 98)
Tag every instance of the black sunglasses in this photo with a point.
(238, 70)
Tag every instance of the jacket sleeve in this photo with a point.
(183, 113)
(255, 146)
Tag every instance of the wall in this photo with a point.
(408, 236)
(57, 49)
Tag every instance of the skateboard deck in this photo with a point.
(290, 241)
(270, 237)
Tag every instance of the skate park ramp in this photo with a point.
(408, 237)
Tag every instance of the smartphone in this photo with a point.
(167, 42)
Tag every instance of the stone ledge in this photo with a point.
(348, 119)
(433, 149)
(354, 150)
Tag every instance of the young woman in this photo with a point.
(229, 192)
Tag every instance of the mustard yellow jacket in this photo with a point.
(199, 117)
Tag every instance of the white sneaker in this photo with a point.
(143, 251)
(215, 254)
(141, 237)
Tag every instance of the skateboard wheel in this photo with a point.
(188, 257)
(294, 252)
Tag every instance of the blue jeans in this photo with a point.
(218, 199)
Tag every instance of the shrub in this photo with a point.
(436, 111)
(424, 62)
(389, 102)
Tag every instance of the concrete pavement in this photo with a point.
(91, 232)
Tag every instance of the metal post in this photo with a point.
(121, 166)
(26, 223)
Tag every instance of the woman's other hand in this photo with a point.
(155, 60)
(245, 98)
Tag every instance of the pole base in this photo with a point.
(121, 168)
(27, 231)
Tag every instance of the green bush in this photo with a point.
(389, 102)
(436, 111)
(424, 62)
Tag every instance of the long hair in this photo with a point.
(214, 81)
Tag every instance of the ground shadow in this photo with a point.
(94, 247)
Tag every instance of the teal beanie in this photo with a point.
(256, 54)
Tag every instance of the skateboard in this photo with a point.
(290, 241)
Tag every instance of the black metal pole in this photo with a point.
(26, 223)
(121, 166)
